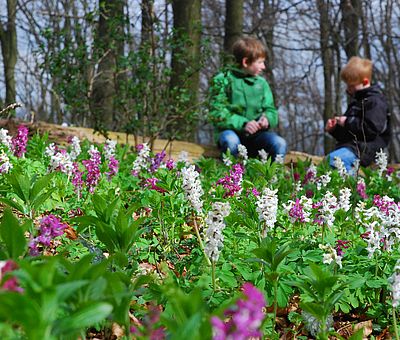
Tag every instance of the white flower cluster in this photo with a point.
(323, 180)
(263, 155)
(330, 255)
(313, 325)
(5, 164)
(339, 165)
(192, 187)
(5, 139)
(394, 281)
(142, 158)
(267, 208)
(214, 239)
(328, 208)
(226, 160)
(184, 157)
(59, 160)
(306, 205)
(312, 171)
(279, 159)
(344, 199)
(75, 148)
(381, 161)
(109, 149)
(242, 150)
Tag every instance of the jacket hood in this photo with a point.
(371, 90)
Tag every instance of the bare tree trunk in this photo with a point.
(350, 14)
(104, 83)
(233, 23)
(326, 55)
(8, 39)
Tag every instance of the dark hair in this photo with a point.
(248, 47)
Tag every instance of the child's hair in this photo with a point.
(248, 47)
(356, 70)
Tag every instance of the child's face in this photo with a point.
(255, 68)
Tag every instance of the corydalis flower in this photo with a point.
(394, 281)
(11, 283)
(263, 156)
(75, 147)
(344, 199)
(310, 175)
(361, 188)
(381, 161)
(267, 209)
(313, 325)
(5, 139)
(242, 151)
(60, 160)
(233, 182)
(339, 165)
(192, 187)
(50, 227)
(92, 166)
(113, 166)
(330, 255)
(141, 159)
(299, 210)
(5, 164)
(18, 142)
(156, 162)
(214, 239)
(109, 148)
(245, 319)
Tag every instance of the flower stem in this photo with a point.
(275, 301)
(213, 276)
(200, 240)
(396, 332)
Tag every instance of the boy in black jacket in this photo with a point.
(364, 128)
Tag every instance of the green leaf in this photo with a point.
(13, 235)
(84, 317)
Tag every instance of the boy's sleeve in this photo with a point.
(373, 123)
(269, 107)
(220, 114)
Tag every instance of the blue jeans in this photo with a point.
(346, 155)
(271, 142)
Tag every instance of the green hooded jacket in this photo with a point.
(237, 98)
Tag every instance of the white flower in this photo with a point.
(242, 150)
(263, 155)
(356, 166)
(328, 208)
(192, 187)
(323, 180)
(5, 138)
(75, 148)
(279, 159)
(394, 281)
(339, 165)
(61, 161)
(5, 164)
(267, 208)
(381, 161)
(215, 224)
(109, 149)
(50, 150)
(184, 157)
(344, 199)
(141, 160)
(330, 255)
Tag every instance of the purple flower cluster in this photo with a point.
(147, 327)
(170, 164)
(245, 319)
(92, 166)
(340, 246)
(12, 282)
(157, 160)
(113, 166)
(18, 143)
(361, 189)
(50, 227)
(152, 184)
(384, 204)
(296, 212)
(77, 177)
(232, 183)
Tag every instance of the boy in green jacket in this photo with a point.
(242, 106)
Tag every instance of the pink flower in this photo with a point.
(12, 282)
(18, 143)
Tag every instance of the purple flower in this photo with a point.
(152, 184)
(361, 189)
(246, 317)
(170, 164)
(92, 166)
(113, 166)
(50, 227)
(296, 212)
(12, 282)
(77, 177)
(232, 183)
(157, 160)
(18, 143)
(340, 245)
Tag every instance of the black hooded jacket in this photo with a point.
(367, 127)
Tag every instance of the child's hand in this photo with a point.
(263, 122)
(341, 120)
(252, 127)
(330, 124)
